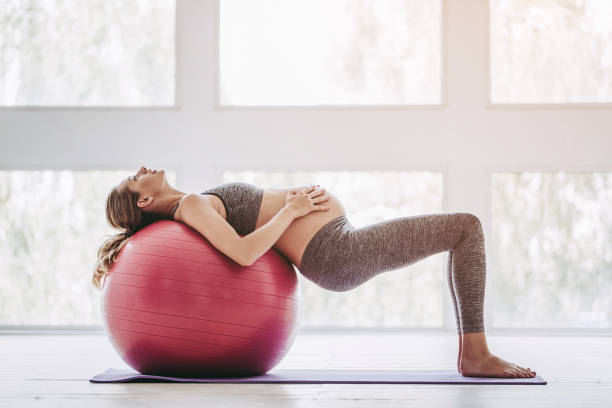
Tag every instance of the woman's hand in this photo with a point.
(305, 201)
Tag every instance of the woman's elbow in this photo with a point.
(246, 262)
(244, 255)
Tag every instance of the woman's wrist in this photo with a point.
(290, 211)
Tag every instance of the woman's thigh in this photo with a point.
(341, 257)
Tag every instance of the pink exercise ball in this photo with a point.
(174, 305)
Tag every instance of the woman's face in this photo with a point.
(145, 181)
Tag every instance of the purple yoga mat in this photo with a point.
(319, 376)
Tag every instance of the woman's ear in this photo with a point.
(144, 202)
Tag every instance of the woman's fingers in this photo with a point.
(320, 199)
(314, 193)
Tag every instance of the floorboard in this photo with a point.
(53, 371)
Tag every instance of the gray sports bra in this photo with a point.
(242, 202)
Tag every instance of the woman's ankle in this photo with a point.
(474, 345)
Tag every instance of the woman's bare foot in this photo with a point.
(477, 361)
(492, 366)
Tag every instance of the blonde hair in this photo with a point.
(121, 213)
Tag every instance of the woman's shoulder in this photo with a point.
(194, 199)
(191, 200)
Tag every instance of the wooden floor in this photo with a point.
(53, 371)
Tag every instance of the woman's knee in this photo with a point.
(471, 221)
(471, 224)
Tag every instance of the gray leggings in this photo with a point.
(340, 257)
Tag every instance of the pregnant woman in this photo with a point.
(309, 226)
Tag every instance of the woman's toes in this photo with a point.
(516, 371)
(524, 371)
(530, 373)
(527, 371)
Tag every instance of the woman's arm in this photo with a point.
(298, 202)
(201, 216)
(197, 213)
(263, 238)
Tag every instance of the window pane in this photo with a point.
(82, 53)
(551, 51)
(317, 52)
(51, 225)
(553, 260)
(406, 297)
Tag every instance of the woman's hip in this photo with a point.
(326, 246)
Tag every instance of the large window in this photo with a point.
(51, 225)
(551, 51)
(87, 53)
(341, 52)
(406, 297)
(552, 260)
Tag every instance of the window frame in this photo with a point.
(195, 115)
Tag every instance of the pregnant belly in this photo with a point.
(292, 243)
